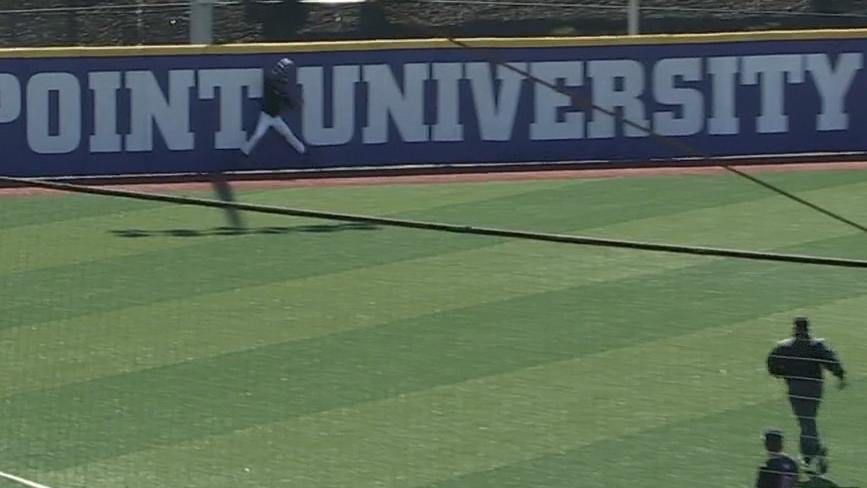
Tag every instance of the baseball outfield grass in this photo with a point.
(143, 348)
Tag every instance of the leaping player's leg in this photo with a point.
(280, 126)
(261, 128)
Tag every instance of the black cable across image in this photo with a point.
(445, 227)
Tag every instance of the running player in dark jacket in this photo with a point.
(801, 361)
(780, 470)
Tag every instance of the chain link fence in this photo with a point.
(131, 22)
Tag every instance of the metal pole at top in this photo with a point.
(633, 15)
(202, 21)
(139, 22)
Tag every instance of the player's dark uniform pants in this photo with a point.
(805, 397)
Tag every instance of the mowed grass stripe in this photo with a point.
(186, 401)
(757, 224)
(482, 424)
(59, 207)
(86, 347)
(22, 211)
(538, 205)
(715, 450)
(92, 239)
(95, 236)
(397, 198)
(718, 450)
(632, 199)
(35, 210)
(209, 267)
(145, 277)
(88, 240)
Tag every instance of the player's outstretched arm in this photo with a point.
(831, 362)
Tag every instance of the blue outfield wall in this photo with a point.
(188, 109)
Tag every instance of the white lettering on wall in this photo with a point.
(666, 75)
(833, 85)
(104, 85)
(10, 98)
(342, 128)
(448, 127)
(68, 91)
(772, 72)
(404, 105)
(605, 75)
(495, 108)
(230, 83)
(546, 125)
(443, 102)
(723, 72)
(170, 114)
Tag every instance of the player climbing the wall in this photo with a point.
(276, 99)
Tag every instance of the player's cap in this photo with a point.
(281, 71)
(801, 323)
(773, 435)
(773, 440)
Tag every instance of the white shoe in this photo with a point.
(821, 465)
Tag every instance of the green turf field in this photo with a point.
(142, 348)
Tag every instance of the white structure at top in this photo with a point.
(202, 21)
(633, 14)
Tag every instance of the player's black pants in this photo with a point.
(805, 398)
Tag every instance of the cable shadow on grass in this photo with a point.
(230, 231)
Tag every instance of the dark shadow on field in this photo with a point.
(231, 231)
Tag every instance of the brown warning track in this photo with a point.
(462, 177)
